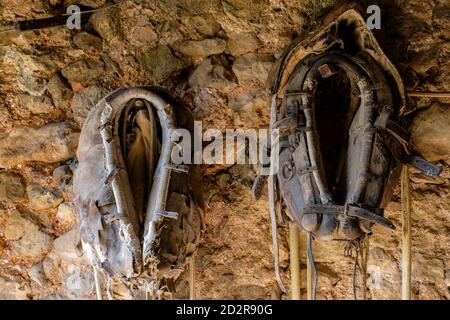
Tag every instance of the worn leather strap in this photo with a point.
(349, 210)
(400, 144)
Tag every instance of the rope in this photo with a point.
(95, 267)
(361, 258)
(273, 221)
(355, 267)
(109, 288)
(365, 260)
(274, 139)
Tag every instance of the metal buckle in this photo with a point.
(288, 170)
(307, 170)
(346, 209)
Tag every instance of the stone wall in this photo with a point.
(215, 56)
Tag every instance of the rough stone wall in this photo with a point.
(214, 55)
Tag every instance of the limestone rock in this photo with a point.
(31, 83)
(62, 171)
(59, 91)
(41, 198)
(36, 273)
(142, 35)
(31, 74)
(66, 246)
(84, 100)
(315, 8)
(58, 37)
(205, 24)
(384, 276)
(248, 104)
(11, 290)
(252, 67)
(202, 48)
(25, 238)
(78, 282)
(298, 18)
(428, 269)
(191, 6)
(159, 63)
(237, 249)
(245, 172)
(5, 122)
(64, 175)
(87, 41)
(249, 291)
(441, 15)
(11, 187)
(222, 179)
(422, 61)
(54, 142)
(53, 297)
(93, 3)
(66, 265)
(35, 104)
(22, 61)
(241, 43)
(106, 23)
(66, 214)
(213, 75)
(83, 70)
(244, 10)
(88, 3)
(430, 132)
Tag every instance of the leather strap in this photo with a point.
(349, 210)
(400, 145)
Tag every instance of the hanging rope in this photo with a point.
(95, 268)
(360, 264)
(364, 261)
(355, 269)
(109, 289)
(274, 140)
